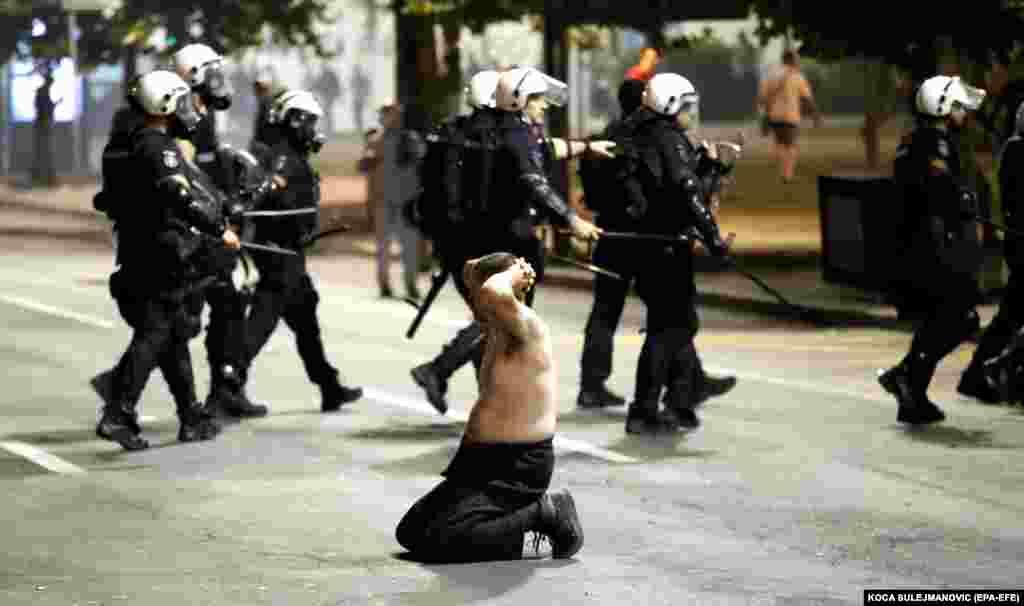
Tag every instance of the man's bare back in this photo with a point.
(517, 377)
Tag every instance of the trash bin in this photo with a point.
(859, 217)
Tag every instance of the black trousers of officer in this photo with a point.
(1008, 321)
(468, 343)
(286, 292)
(226, 332)
(162, 325)
(606, 312)
(664, 282)
(948, 294)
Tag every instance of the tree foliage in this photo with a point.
(828, 30)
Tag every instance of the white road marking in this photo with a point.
(41, 458)
(424, 407)
(56, 311)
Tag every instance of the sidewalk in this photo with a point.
(781, 247)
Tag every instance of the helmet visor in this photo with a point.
(185, 111)
(557, 92)
(972, 98)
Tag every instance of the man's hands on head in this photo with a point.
(523, 277)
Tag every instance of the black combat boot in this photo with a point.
(909, 387)
(433, 376)
(644, 417)
(197, 423)
(227, 398)
(973, 384)
(598, 396)
(560, 523)
(711, 386)
(334, 395)
(119, 424)
(1005, 376)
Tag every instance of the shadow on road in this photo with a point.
(468, 583)
(954, 437)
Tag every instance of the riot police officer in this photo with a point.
(1010, 318)
(676, 179)
(285, 290)
(460, 209)
(942, 250)
(156, 278)
(518, 193)
(202, 68)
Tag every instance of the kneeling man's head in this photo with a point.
(477, 271)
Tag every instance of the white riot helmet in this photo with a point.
(516, 85)
(668, 94)
(203, 69)
(939, 96)
(297, 112)
(481, 89)
(164, 93)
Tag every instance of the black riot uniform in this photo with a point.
(519, 198)
(940, 259)
(158, 280)
(466, 195)
(611, 191)
(676, 180)
(1009, 320)
(226, 331)
(285, 290)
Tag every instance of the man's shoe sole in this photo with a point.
(569, 507)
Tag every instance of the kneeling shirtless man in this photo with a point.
(495, 488)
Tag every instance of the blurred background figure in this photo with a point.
(780, 101)
(391, 160)
(650, 57)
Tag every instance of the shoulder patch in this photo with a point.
(938, 166)
(171, 159)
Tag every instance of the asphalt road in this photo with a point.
(799, 488)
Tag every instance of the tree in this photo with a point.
(37, 31)
(875, 31)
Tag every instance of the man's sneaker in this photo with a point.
(196, 425)
(116, 426)
(915, 409)
(428, 378)
(536, 546)
(561, 524)
(598, 397)
(973, 385)
(335, 395)
(662, 422)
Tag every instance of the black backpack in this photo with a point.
(604, 179)
(455, 176)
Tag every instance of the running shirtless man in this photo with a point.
(495, 488)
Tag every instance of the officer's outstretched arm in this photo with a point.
(179, 195)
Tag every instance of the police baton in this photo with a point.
(437, 281)
(269, 248)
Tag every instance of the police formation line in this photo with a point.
(201, 223)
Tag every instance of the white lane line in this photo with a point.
(424, 407)
(802, 385)
(56, 311)
(41, 458)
